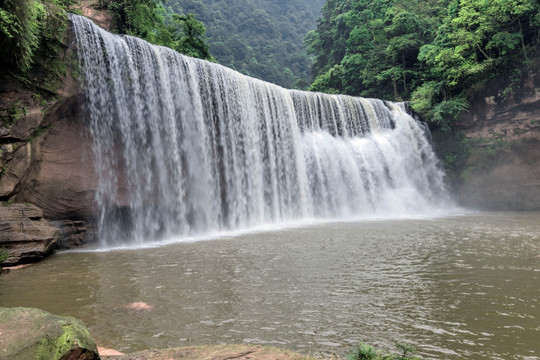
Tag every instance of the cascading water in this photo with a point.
(202, 148)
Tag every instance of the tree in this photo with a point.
(149, 20)
(477, 41)
(431, 51)
(189, 36)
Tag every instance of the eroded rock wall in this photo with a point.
(503, 132)
(45, 153)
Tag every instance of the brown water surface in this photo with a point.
(463, 287)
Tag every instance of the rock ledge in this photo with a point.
(25, 234)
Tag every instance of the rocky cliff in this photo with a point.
(502, 130)
(44, 157)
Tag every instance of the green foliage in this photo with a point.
(375, 43)
(189, 36)
(20, 25)
(31, 43)
(38, 132)
(141, 18)
(367, 352)
(260, 38)
(432, 52)
(4, 254)
(148, 20)
(12, 113)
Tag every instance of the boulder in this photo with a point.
(25, 234)
(28, 333)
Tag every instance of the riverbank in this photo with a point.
(213, 352)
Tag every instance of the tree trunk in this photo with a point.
(523, 40)
(404, 73)
(483, 52)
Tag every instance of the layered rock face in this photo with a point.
(25, 234)
(503, 128)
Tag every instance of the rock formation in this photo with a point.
(25, 234)
(44, 152)
(503, 128)
(27, 333)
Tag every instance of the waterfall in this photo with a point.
(201, 148)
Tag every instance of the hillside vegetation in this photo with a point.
(433, 52)
(30, 31)
(260, 38)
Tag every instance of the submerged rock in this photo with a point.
(28, 333)
(25, 234)
(109, 352)
(138, 306)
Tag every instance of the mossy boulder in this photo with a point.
(28, 333)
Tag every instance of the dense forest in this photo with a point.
(260, 38)
(430, 51)
(149, 20)
(433, 52)
(31, 31)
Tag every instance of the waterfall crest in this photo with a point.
(202, 148)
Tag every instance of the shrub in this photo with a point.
(4, 254)
(367, 352)
(20, 25)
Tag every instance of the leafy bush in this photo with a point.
(148, 20)
(367, 352)
(20, 25)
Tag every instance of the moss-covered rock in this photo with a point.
(28, 333)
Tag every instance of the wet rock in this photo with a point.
(138, 306)
(28, 333)
(73, 233)
(25, 234)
